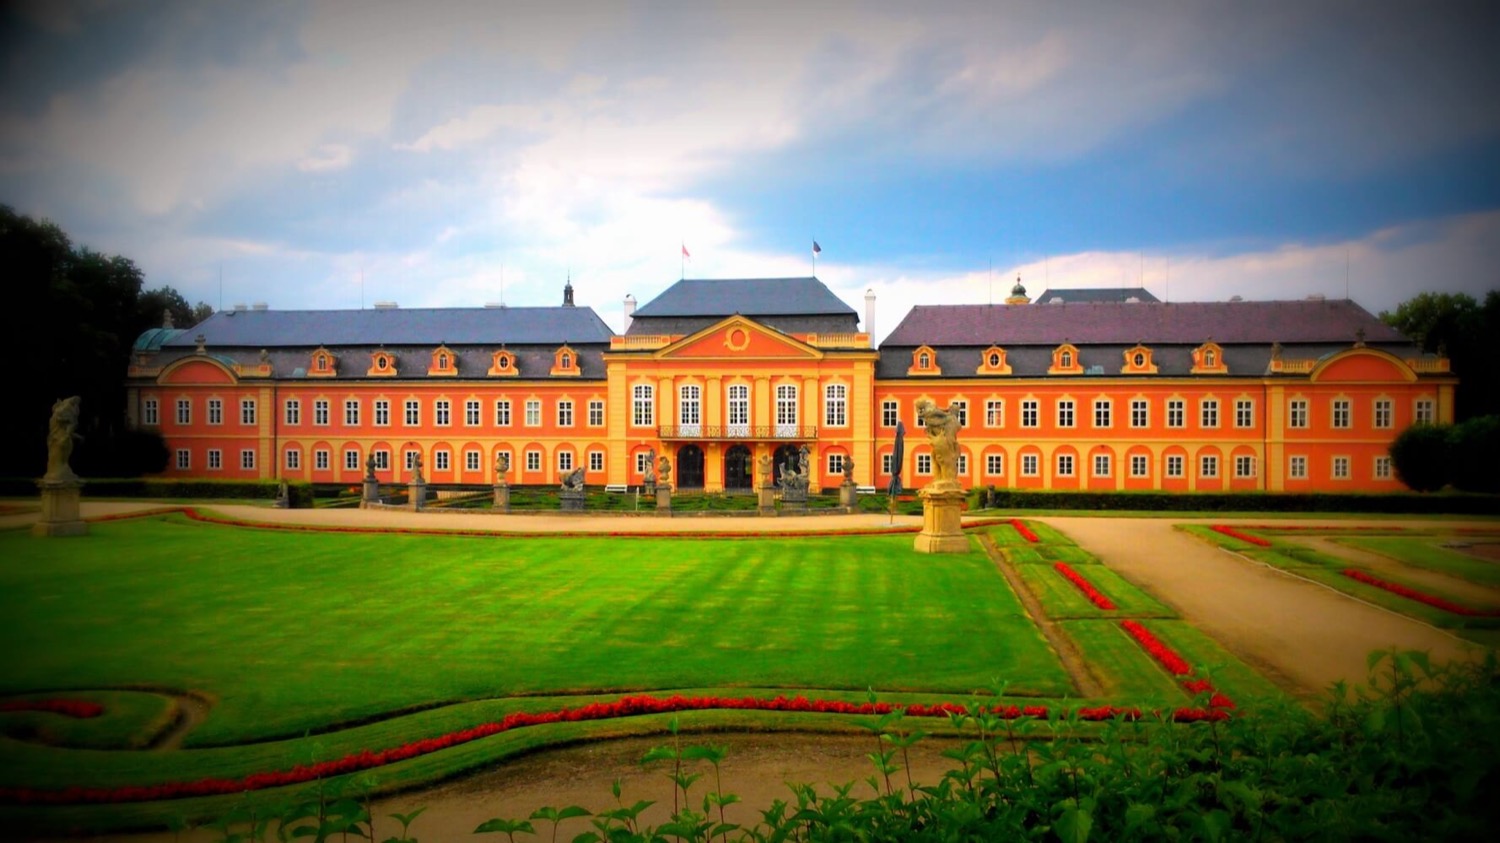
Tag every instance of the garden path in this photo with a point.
(1300, 634)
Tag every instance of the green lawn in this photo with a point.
(1427, 552)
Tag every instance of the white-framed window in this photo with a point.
(502, 413)
(1296, 468)
(564, 460)
(1341, 468)
(443, 410)
(247, 459)
(382, 412)
(351, 459)
(247, 411)
(738, 409)
(1383, 413)
(533, 460)
(1103, 412)
(440, 460)
(1244, 412)
(184, 459)
(411, 459)
(994, 464)
(412, 412)
(890, 413)
(471, 412)
(1208, 466)
(382, 460)
(215, 411)
(1030, 410)
(642, 462)
(1140, 466)
(321, 457)
(994, 413)
(690, 408)
(1101, 465)
(1423, 414)
(596, 460)
(786, 410)
(924, 463)
(886, 463)
(835, 405)
(1341, 412)
(184, 411)
(471, 460)
(1208, 413)
(150, 412)
(565, 413)
(1297, 413)
(596, 413)
(961, 408)
(320, 412)
(835, 463)
(962, 467)
(1064, 465)
(1065, 412)
(351, 412)
(215, 459)
(1244, 466)
(292, 411)
(1174, 465)
(1176, 412)
(1382, 468)
(643, 405)
(1140, 412)
(293, 459)
(533, 412)
(1031, 466)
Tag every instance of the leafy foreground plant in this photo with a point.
(1413, 755)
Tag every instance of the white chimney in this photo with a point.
(870, 314)
(260, 306)
(386, 305)
(629, 311)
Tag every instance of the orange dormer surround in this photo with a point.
(992, 362)
(1065, 361)
(382, 365)
(565, 363)
(323, 364)
(1138, 361)
(444, 363)
(1208, 359)
(503, 365)
(924, 362)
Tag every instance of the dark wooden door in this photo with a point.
(690, 467)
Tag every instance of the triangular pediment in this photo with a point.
(739, 338)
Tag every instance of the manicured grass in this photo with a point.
(1426, 552)
(292, 632)
(1061, 599)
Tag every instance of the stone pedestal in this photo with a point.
(941, 521)
(848, 496)
(502, 497)
(416, 495)
(766, 500)
(370, 494)
(794, 500)
(663, 499)
(60, 509)
(571, 500)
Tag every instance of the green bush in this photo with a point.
(299, 492)
(1420, 457)
(1473, 452)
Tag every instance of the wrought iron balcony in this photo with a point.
(728, 432)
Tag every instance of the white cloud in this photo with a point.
(328, 156)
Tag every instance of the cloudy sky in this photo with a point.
(463, 153)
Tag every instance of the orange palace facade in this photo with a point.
(1097, 391)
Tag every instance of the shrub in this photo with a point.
(1420, 457)
(1473, 451)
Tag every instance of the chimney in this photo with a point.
(260, 307)
(870, 313)
(629, 311)
(386, 305)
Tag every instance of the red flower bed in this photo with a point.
(1177, 666)
(1419, 596)
(81, 709)
(1024, 530)
(623, 707)
(1226, 530)
(1084, 586)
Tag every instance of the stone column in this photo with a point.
(370, 494)
(941, 521)
(60, 509)
(416, 494)
(766, 500)
(848, 496)
(502, 497)
(664, 499)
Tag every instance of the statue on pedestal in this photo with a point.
(763, 468)
(942, 435)
(573, 481)
(370, 467)
(61, 432)
(664, 471)
(848, 471)
(416, 468)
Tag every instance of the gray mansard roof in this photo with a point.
(486, 326)
(1079, 295)
(748, 297)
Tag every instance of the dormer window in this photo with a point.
(1138, 361)
(444, 362)
(565, 363)
(382, 364)
(992, 362)
(503, 364)
(1066, 361)
(924, 362)
(323, 363)
(1209, 359)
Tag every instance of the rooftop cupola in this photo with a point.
(568, 293)
(1018, 294)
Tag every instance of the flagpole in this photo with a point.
(682, 261)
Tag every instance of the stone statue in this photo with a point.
(942, 435)
(664, 471)
(649, 480)
(416, 469)
(573, 482)
(763, 468)
(502, 468)
(849, 470)
(791, 479)
(60, 435)
(370, 466)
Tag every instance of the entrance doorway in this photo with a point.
(737, 469)
(785, 455)
(690, 467)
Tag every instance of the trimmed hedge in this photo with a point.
(1455, 504)
(300, 492)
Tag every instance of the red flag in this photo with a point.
(685, 252)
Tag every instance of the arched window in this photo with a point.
(1210, 359)
(567, 361)
(1066, 360)
(442, 361)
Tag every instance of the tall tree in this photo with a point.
(1457, 325)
